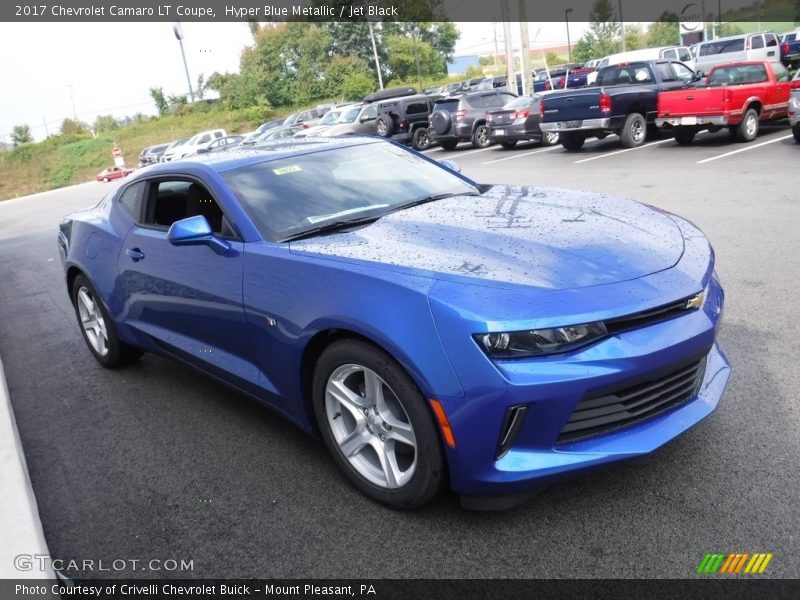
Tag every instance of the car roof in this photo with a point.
(260, 152)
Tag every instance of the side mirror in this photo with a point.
(450, 164)
(202, 150)
(365, 119)
(699, 74)
(195, 231)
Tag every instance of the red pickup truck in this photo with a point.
(734, 95)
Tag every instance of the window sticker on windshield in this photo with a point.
(284, 170)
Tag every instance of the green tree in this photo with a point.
(552, 59)
(74, 127)
(348, 77)
(730, 29)
(21, 134)
(635, 38)
(411, 58)
(105, 123)
(157, 94)
(603, 36)
(665, 31)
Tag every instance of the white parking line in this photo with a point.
(750, 147)
(577, 162)
(521, 155)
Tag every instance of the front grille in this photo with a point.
(599, 414)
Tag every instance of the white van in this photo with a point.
(751, 46)
(679, 53)
(198, 140)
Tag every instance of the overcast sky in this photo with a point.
(111, 66)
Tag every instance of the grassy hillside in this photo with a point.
(60, 161)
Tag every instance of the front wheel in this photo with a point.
(634, 131)
(105, 179)
(98, 328)
(684, 135)
(480, 138)
(748, 128)
(572, 141)
(550, 138)
(376, 425)
(796, 133)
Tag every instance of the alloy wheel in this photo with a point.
(370, 426)
(94, 326)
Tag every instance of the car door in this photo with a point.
(186, 299)
(366, 120)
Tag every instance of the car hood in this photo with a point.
(514, 235)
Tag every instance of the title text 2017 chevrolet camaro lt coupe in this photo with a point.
(435, 332)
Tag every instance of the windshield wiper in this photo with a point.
(432, 198)
(331, 227)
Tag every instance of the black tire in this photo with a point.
(747, 130)
(796, 133)
(509, 144)
(117, 353)
(684, 135)
(421, 139)
(634, 131)
(572, 141)
(449, 144)
(480, 137)
(384, 126)
(429, 473)
(550, 138)
(441, 121)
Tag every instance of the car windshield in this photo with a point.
(349, 115)
(330, 117)
(292, 195)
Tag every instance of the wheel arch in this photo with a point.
(754, 103)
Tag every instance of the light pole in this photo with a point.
(621, 25)
(569, 44)
(375, 54)
(72, 100)
(178, 31)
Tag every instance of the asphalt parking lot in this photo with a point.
(154, 461)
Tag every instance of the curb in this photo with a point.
(20, 527)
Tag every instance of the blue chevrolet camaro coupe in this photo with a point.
(435, 332)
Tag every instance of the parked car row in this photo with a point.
(631, 99)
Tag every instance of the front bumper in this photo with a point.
(693, 121)
(552, 387)
(578, 125)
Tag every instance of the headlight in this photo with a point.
(539, 342)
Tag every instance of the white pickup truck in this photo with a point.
(197, 141)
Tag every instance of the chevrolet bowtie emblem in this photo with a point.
(696, 301)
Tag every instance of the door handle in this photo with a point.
(135, 254)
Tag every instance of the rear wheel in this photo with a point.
(480, 137)
(796, 133)
(449, 144)
(421, 140)
(376, 425)
(105, 179)
(747, 130)
(98, 328)
(509, 144)
(684, 135)
(572, 141)
(550, 138)
(634, 131)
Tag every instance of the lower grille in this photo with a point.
(596, 415)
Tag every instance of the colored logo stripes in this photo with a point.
(720, 562)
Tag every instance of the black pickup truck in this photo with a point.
(623, 100)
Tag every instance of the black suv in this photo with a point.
(406, 119)
(463, 119)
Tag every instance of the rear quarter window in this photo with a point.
(722, 47)
(448, 105)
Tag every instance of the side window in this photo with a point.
(684, 54)
(665, 72)
(683, 72)
(371, 112)
(416, 108)
(671, 54)
(781, 74)
(756, 42)
(205, 139)
(771, 40)
(170, 200)
(131, 200)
